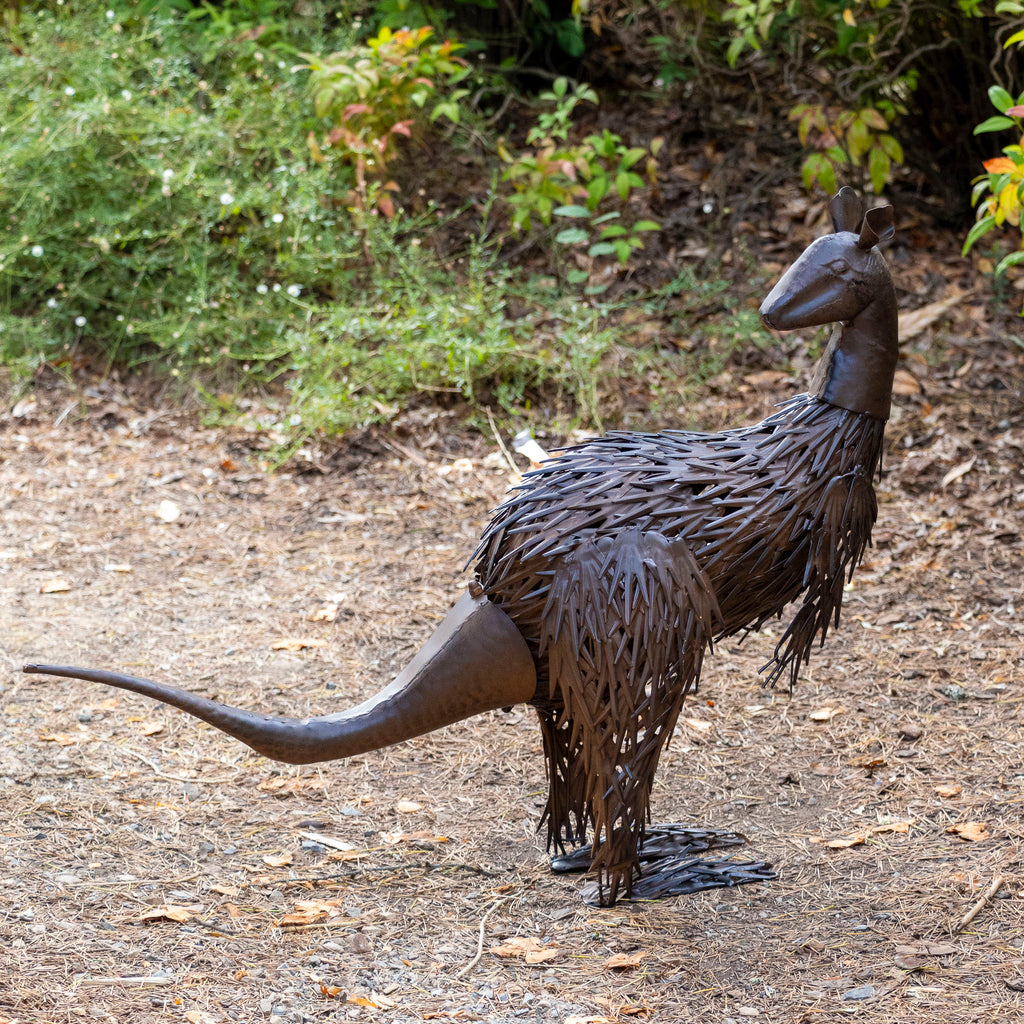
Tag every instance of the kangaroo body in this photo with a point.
(613, 568)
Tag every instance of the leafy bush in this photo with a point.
(150, 210)
(579, 181)
(999, 193)
(376, 92)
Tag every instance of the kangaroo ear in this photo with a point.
(847, 209)
(878, 227)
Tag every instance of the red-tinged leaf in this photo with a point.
(1015, 111)
(1000, 165)
(402, 128)
(329, 991)
(386, 206)
(355, 108)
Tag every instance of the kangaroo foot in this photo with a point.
(668, 866)
(660, 841)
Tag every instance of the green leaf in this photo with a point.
(601, 249)
(622, 184)
(623, 249)
(1017, 37)
(646, 225)
(1000, 98)
(572, 211)
(892, 147)
(613, 231)
(979, 229)
(571, 236)
(878, 168)
(605, 217)
(996, 123)
(1013, 260)
(577, 276)
(630, 157)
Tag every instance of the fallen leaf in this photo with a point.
(958, 471)
(527, 948)
(362, 1001)
(199, 1017)
(234, 913)
(285, 785)
(408, 807)
(151, 728)
(296, 644)
(949, 789)
(277, 860)
(905, 383)
(225, 890)
(619, 961)
(326, 613)
(824, 714)
(915, 321)
(901, 827)
(766, 379)
(589, 1020)
(169, 911)
(925, 948)
(62, 739)
(844, 843)
(168, 511)
(55, 587)
(330, 991)
(973, 831)
(119, 567)
(696, 723)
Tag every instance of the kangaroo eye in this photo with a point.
(838, 266)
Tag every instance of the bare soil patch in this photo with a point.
(137, 844)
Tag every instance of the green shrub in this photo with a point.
(372, 95)
(590, 183)
(150, 212)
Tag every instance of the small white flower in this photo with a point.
(120, 318)
(37, 251)
(80, 321)
(168, 174)
(226, 199)
(166, 190)
(262, 289)
(277, 287)
(708, 207)
(69, 91)
(52, 303)
(125, 94)
(294, 290)
(277, 218)
(111, 15)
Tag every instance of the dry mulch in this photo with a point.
(153, 869)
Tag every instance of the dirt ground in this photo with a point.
(153, 869)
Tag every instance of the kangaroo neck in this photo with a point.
(856, 371)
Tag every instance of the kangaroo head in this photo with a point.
(838, 275)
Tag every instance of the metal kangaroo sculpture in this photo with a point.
(606, 575)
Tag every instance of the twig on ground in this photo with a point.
(976, 909)
(480, 940)
(501, 444)
(176, 778)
